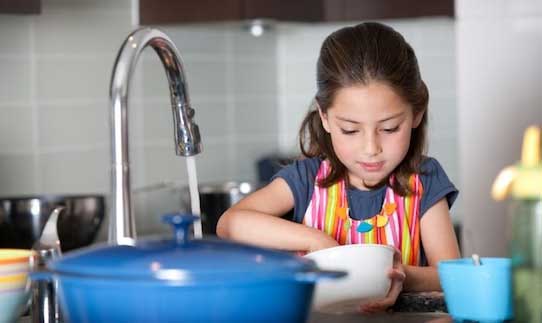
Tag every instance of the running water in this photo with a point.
(194, 194)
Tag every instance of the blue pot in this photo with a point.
(184, 280)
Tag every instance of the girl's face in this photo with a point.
(370, 128)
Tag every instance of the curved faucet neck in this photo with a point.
(186, 132)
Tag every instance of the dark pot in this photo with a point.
(22, 219)
(216, 198)
(184, 280)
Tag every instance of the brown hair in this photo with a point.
(359, 55)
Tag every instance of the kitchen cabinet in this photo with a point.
(153, 12)
(392, 9)
(20, 6)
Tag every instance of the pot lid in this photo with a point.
(181, 260)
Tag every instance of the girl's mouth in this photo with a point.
(372, 167)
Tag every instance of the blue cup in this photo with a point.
(480, 293)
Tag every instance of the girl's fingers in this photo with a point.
(378, 306)
(375, 307)
(396, 256)
(397, 274)
(396, 288)
(389, 300)
(369, 308)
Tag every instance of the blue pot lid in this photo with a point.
(181, 260)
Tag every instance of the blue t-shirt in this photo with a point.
(301, 174)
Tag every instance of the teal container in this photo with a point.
(479, 293)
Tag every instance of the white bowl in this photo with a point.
(12, 304)
(367, 265)
(16, 268)
(12, 282)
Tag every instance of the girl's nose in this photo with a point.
(371, 146)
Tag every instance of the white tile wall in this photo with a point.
(73, 124)
(75, 78)
(213, 118)
(15, 78)
(74, 171)
(16, 130)
(18, 174)
(249, 95)
(15, 32)
(248, 118)
(254, 78)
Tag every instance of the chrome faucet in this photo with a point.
(186, 132)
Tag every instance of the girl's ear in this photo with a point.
(323, 118)
(418, 119)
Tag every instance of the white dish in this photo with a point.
(12, 282)
(15, 268)
(367, 265)
(12, 304)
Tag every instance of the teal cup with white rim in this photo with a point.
(477, 292)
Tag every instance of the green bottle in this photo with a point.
(524, 182)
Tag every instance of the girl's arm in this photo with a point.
(256, 220)
(439, 243)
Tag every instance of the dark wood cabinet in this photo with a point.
(296, 10)
(153, 12)
(391, 9)
(23, 7)
(185, 11)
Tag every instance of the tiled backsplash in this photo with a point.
(249, 95)
(53, 96)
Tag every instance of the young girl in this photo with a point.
(364, 178)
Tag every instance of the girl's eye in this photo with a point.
(391, 130)
(348, 132)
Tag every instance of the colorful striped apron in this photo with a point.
(397, 224)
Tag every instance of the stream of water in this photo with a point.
(194, 194)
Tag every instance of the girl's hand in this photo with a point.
(321, 241)
(397, 276)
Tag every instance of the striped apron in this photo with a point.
(397, 224)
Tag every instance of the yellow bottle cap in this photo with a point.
(523, 180)
(528, 183)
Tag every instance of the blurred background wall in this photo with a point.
(499, 94)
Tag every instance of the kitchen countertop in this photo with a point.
(396, 317)
(360, 318)
(409, 308)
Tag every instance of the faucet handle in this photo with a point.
(190, 113)
(187, 136)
